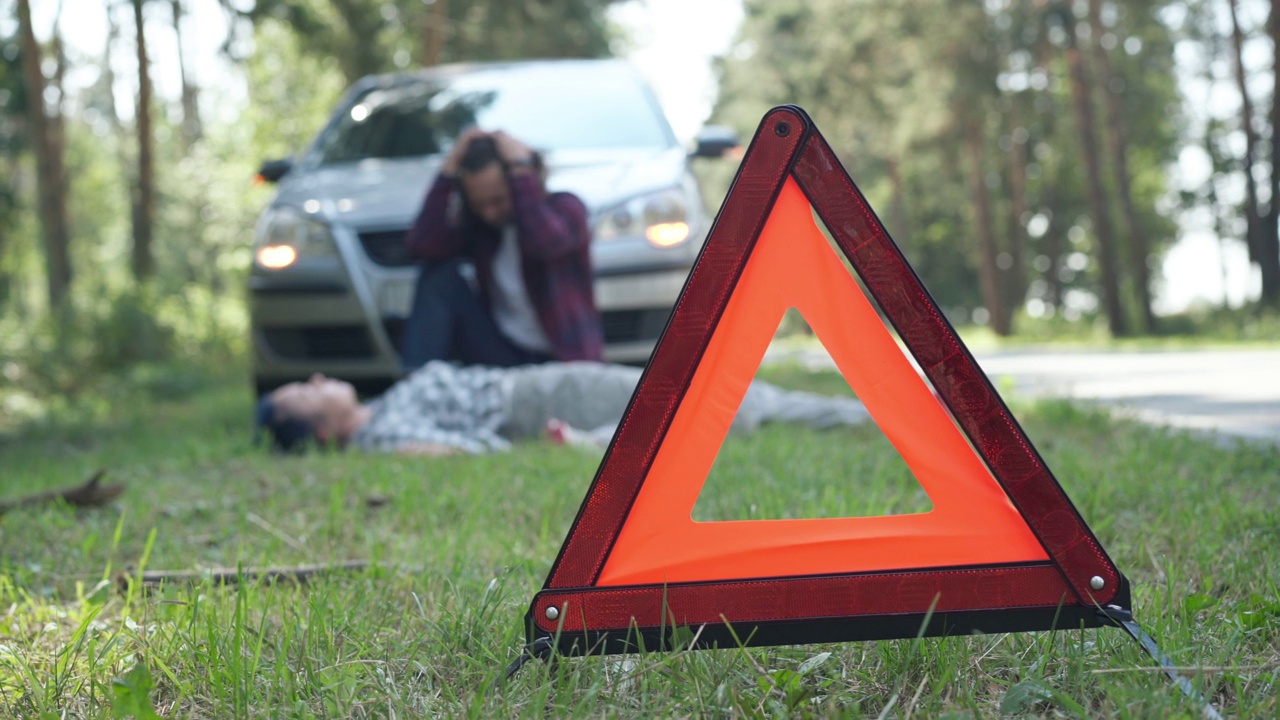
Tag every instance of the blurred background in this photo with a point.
(1080, 169)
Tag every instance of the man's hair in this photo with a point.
(287, 433)
(482, 152)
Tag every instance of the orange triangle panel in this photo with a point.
(792, 265)
(1003, 548)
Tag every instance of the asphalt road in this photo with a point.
(1229, 393)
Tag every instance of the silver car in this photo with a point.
(331, 283)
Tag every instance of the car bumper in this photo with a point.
(300, 329)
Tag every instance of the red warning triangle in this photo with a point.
(793, 265)
(1003, 548)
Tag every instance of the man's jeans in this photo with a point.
(448, 322)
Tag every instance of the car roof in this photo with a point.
(452, 70)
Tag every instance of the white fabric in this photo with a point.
(512, 309)
(591, 397)
(440, 404)
(481, 409)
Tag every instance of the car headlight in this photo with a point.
(287, 234)
(661, 217)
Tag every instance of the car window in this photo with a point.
(551, 107)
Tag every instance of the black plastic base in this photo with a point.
(828, 630)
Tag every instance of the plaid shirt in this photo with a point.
(440, 404)
(554, 240)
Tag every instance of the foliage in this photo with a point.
(1226, 325)
(892, 84)
(291, 93)
(192, 311)
(375, 37)
(63, 361)
(132, 695)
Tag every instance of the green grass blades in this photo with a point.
(458, 546)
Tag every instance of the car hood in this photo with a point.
(387, 193)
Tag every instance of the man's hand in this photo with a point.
(517, 156)
(450, 165)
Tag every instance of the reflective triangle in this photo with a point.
(792, 265)
(1003, 549)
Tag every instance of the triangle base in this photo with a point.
(645, 631)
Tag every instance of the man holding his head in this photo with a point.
(531, 254)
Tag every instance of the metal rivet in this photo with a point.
(782, 129)
(552, 613)
(1097, 583)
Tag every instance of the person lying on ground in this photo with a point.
(443, 408)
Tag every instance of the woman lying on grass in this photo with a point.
(441, 409)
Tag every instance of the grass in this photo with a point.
(461, 545)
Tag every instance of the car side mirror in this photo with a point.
(715, 141)
(272, 170)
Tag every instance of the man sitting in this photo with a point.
(442, 408)
(531, 253)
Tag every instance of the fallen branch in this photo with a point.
(91, 493)
(297, 574)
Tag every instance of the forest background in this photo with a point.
(1036, 160)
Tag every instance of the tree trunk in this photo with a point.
(108, 80)
(49, 166)
(434, 37)
(1016, 275)
(191, 126)
(1053, 246)
(1080, 95)
(1220, 222)
(57, 122)
(362, 56)
(1253, 217)
(1118, 145)
(144, 195)
(980, 199)
(58, 125)
(1221, 212)
(1271, 231)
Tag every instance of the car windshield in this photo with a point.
(551, 107)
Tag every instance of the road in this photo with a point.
(1231, 393)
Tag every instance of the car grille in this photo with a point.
(387, 248)
(619, 325)
(394, 328)
(334, 342)
(632, 325)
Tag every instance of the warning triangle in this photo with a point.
(1003, 548)
(792, 264)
